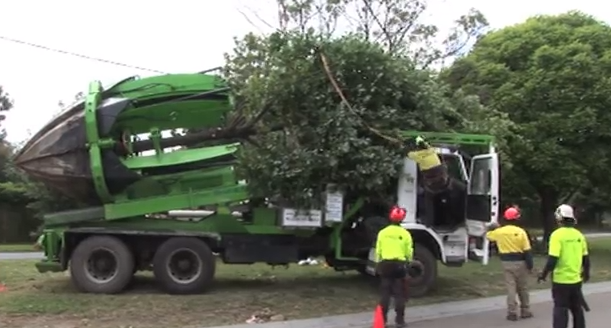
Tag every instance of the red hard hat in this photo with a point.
(512, 213)
(397, 214)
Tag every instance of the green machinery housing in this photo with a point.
(166, 203)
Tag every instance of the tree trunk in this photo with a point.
(549, 200)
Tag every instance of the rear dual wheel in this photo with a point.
(423, 271)
(101, 265)
(184, 265)
(105, 265)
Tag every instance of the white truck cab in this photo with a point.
(452, 225)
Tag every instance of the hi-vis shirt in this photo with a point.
(569, 245)
(425, 158)
(513, 244)
(394, 243)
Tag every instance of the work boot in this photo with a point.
(400, 320)
(526, 314)
(512, 317)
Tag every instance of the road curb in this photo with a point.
(421, 313)
(21, 255)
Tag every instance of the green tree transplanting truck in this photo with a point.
(168, 204)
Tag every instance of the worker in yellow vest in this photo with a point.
(434, 172)
(394, 251)
(569, 262)
(517, 260)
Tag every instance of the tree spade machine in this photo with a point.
(173, 204)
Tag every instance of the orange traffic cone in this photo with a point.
(378, 318)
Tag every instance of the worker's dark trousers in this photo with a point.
(567, 297)
(393, 284)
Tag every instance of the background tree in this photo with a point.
(8, 190)
(550, 75)
(6, 103)
(15, 221)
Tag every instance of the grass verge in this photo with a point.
(48, 300)
(16, 248)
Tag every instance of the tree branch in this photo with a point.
(339, 92)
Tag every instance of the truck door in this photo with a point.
(482, 203)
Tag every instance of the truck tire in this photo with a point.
(101, 265)
(422, 283)
(184, 265)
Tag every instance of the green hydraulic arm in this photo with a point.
(452, 138)
(92, 100)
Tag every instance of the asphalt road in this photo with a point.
(476, 313)
(39, 255)
(21, 256)
(599, 317)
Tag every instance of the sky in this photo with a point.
(180, 36)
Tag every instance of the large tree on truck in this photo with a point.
(550, 75)
(384, 82)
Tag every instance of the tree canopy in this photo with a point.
(550, 75)
(328, 108)
(9, 191)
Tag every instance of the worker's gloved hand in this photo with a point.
(541, 277)
(421, 143)
(585, 276)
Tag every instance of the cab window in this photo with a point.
(481, 178)
(455, 168)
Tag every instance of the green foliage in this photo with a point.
(309, 137)
(11, 192)
(6, 103)
(550, 75)
(14, 193)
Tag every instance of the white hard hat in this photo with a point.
(564, 211)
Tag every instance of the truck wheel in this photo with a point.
(425, 271)
(101, 265)
(184, 265)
